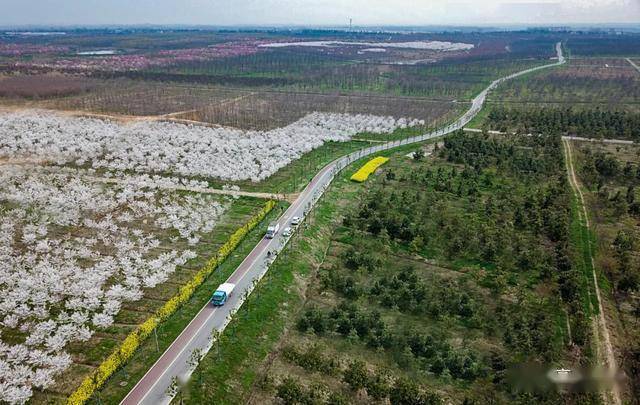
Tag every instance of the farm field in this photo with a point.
(239, 81)
(611, 82)
(589, 96)
(256, 109)
(375, 307)
(448, 79)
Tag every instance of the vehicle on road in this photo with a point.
(295, 221)
(287, 232)
(272, 230)
(222, 294)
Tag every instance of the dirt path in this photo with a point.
(22, 161)
(604, 348)
(632, 63)
(270, 196)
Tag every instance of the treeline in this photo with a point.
(594, 123)
(591, 45)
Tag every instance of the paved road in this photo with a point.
(175, 361)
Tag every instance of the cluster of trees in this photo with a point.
(598, 169)
(529, 330)
(602, 44)
(408, 347)
(614, 189)
(97, 258)
(405, 290)
(435, 354)
(291, 392)
(628, 278)
(309, 70)
(575, 84)
(272, 109)
(274, 63)
(459, 218)
(616, 186)
(312, 358)
(130, 97)
(542, 45)
(43, 86)
(507, 208)
(497, 208)
(350, 321)
(595, 123)
(378, 387)
(535, 156)
(437, 298)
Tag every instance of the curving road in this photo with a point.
(175, 361)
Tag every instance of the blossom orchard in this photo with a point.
(72, 252)
(183, 150)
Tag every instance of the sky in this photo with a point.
(317, 12)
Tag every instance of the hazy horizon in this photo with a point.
(319, 13)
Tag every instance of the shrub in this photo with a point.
(290, 391)
(405, 392)
(356, 375)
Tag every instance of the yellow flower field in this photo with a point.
(369, 167)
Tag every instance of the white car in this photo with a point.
(287, 232)
(296, 221)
